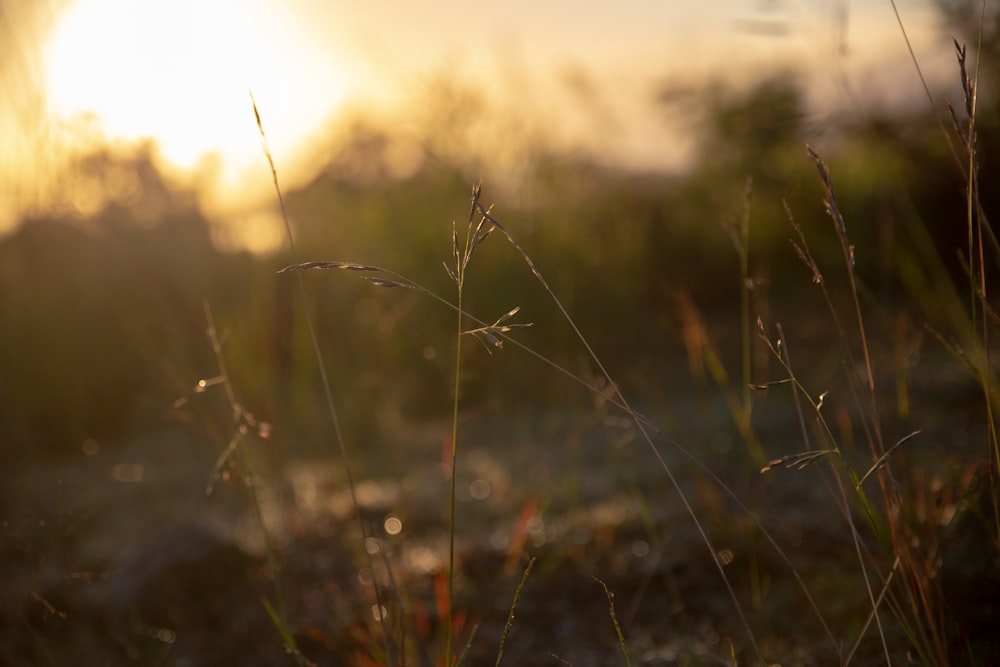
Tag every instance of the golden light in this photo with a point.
(180, 73)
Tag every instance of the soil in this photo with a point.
(119, 556)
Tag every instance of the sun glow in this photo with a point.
(180, 73)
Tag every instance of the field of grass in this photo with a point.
(744, 415)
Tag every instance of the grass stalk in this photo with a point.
(640, 425)
(614, 621)
(513, 608)
(800, 460)
(473, 237)
(976, 224)
(497, 331)
(327, 391)
(242, 421)
(396, 280)
(460, 279)
(745, 287)
(921, 611)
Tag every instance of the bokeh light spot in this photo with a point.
(130, 473)
(393, 525)
(480, 489)
(640, 548)
(90, 447)
(372, 545)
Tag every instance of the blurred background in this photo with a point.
(620, 144)
(623, 87)
(615, 142)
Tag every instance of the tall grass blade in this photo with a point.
(325, 380)
(675, 484)
(882, 460)
(614, 620)
(513, 608)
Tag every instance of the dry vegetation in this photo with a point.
(597, 436)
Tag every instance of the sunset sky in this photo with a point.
(180, 72)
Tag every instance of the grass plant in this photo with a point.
(513, 608)
(614, 621)
(897, 554)
(911, 589)
(234, 457)
(390, 648)
(498, 333)
(898, 577)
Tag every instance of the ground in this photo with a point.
(119, 554)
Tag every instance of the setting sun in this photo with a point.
(180, 73)
(107, 75)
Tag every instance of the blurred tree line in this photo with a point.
(102, 319)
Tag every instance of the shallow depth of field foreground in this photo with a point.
(516, 405)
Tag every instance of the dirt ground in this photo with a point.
(119, 556)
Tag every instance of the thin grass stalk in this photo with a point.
(240, 418)
(925, 609)
(787, 358)
(767, 536)
(639, 424)
(963, 167)
(926, 86)
(738, 404)
(645, 426)
(239, 429)
(833, 209)
(968, 134)
(802, 249)
(873, 615)
(844, 503)
(468, 646)
(614, 621)
(458, 275)
(959, 163)
(399, 280)
(915, 574)
(976, 221)
(856, 539)
(870, 416)
(807, 441)
(325, 380)
(918, 606)
(744, 248)
(454, 459)
(394, 589)
(827, 432)
(513, 608)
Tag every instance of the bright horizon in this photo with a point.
(180, 73)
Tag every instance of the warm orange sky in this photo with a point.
(180, 71)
